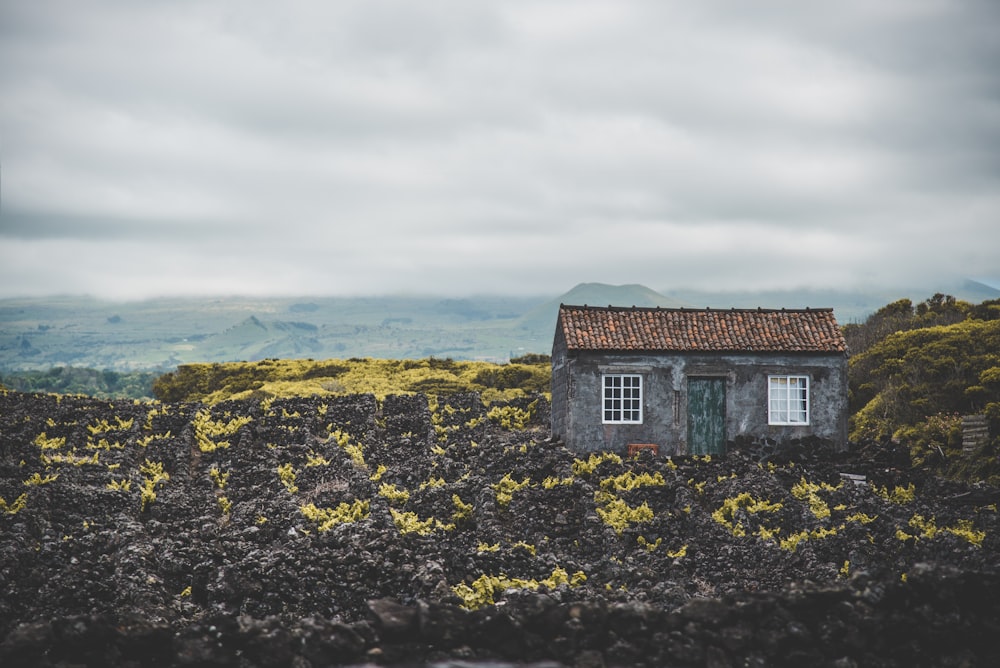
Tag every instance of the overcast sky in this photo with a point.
(459, 147)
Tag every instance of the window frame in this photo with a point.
(774, 403)
(628, 392)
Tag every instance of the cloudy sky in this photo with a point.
(523, 146)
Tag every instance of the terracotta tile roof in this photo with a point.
(729, 330)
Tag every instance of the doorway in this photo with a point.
(706, 416)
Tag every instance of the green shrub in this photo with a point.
(212, 383)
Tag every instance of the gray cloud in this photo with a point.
(456, 147)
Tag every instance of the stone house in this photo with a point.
(688, 380)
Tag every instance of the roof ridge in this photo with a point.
(692, 309)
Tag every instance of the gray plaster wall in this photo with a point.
(576, 396)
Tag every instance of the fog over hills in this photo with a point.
(44, 332)
(543, 316)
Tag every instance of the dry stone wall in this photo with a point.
(405, 531)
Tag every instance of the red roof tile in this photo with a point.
(729, 330)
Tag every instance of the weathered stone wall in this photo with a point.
(562, 373)
(577, 397)
(225, 567)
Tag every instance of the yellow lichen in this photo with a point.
(809, 492)
(963, 529)
(512, 417)
(409, 522)
(393, 494)
(154, 475)
(617, 514)
(209, 433)
(103, 425)
(220, 479)
(630, 480)
(354, 450)
(482, 590)
(462, 510)
(726, 513)
(287, 475)
(650, 547)
(586, 467)
(527, 547)
(898, 494)
(15, 507)
(506, 487)
(679, 552)
(327, 518)
(314, 459)
(45, 443)
(37, 479)
(551, 482)
(432, 482)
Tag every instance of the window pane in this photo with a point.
(622, 398)
(788, 399)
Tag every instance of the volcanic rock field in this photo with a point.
(413, 531)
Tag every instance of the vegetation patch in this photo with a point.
(481, 591)
(213, 383)
(345, 513)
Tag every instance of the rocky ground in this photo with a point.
(308, 532)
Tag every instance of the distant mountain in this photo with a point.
(542, 318)
(973, 291)
(601, 294)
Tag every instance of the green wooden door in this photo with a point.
(706, 416)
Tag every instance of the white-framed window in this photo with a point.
(788, 400)
(622, 398)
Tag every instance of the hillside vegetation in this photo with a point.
(212, 383)
(915, 370)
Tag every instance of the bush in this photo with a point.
(912, 375)
(212, 383)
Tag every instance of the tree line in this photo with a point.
(100, 383)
